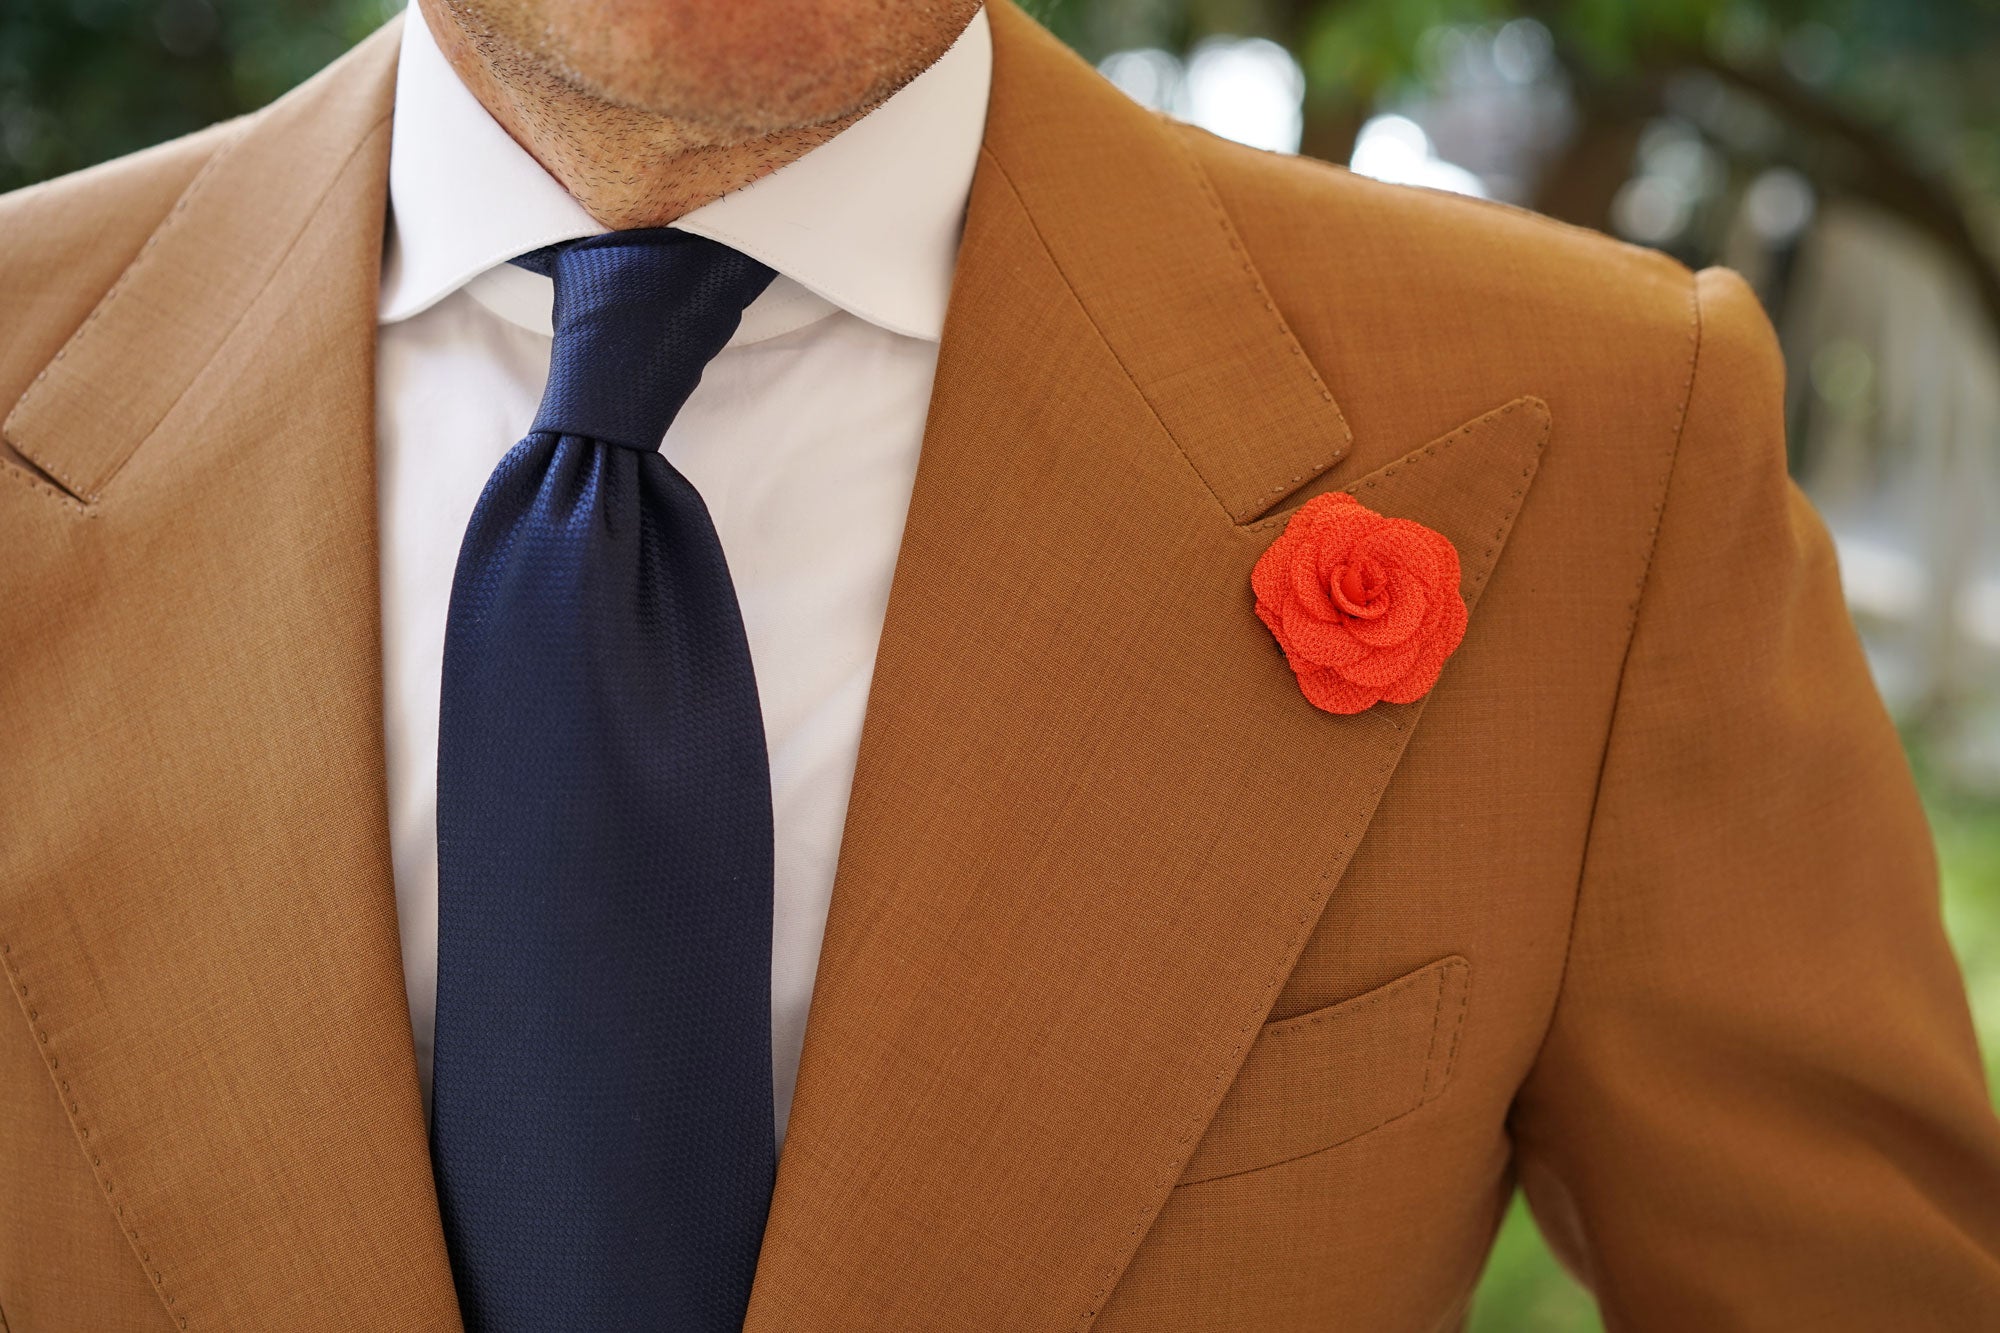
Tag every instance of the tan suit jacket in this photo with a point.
(1153, 998)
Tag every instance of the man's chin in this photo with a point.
(738, 112)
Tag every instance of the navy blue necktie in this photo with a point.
(601, 1114)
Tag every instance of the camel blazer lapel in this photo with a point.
(1093, 820)
(195, 899)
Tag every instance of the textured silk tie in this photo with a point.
(601, 1123)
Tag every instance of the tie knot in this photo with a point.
(637, 316)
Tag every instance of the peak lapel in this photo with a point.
(195, 895)
(1093, 818)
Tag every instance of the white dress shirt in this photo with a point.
(802, 438)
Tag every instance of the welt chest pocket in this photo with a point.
(1322, 1078)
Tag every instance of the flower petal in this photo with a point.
(1328, 691)
(1326, 643)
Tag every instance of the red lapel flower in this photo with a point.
(1365, 607)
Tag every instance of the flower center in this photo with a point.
(1361, 583)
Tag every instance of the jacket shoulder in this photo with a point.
(1412, 282)
(1300, 216)
(64, 243)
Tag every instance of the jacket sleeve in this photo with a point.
(1759, 1103)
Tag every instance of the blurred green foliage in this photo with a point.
(1967, 826)
(1915, 61)
(1894, 100)
(86, 80)
(1524, 1291)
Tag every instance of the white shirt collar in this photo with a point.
(869, 221)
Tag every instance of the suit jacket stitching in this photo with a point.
(1284, 330)
(77, 1119)
(1425, 1099)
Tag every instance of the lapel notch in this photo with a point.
(1140, 237)
(173, 309)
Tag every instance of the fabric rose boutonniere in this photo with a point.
(1365, 607)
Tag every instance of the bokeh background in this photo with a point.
(1844, 155)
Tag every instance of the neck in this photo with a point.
(627, 167)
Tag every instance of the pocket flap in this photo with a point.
(1331, 1075)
